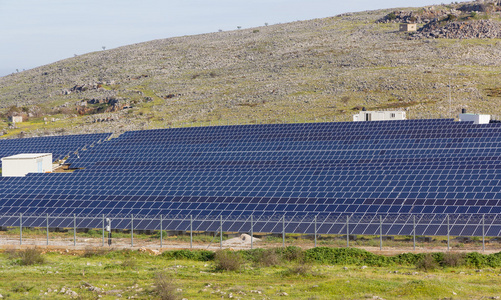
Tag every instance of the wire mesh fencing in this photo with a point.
(413, 227)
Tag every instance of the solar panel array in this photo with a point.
(59, 146)
(285, 176)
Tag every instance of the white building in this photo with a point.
(379, 116)
(21, 164)
(16, 119)
(475, 118)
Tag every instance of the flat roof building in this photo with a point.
(21, 164)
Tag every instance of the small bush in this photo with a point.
(392, 16)
(301, 269)
(196, 255)
(30, 256)
(228, 261)
(129, 263)
(453, 259)
(22, 288)
(292, 253)
(165, 287)
(427, 263)
(268, 258)
(92, 252)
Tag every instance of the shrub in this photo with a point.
(451, 17)
(301, 269)
(392, 16)
(165, 287)
(407, 258)
(427, 263)
(92, 252)
(228, 260)
(129, 263)
(346, 256)
(292, 253)
(475, 259)
(268, 258)
(453, 259)
(31, 256)
(197, 255)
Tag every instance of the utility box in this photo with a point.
(475, 118)
(408, 27)
(16, 119)
(21, 164)
(379, 116)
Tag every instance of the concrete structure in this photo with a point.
(379, 116)
(475, 118)
(21, 164)
(16, 119)
(408, 27)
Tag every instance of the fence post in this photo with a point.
(315, 231)
(191, 231)
(20, 229)
(483, 233)
(132, 230)
(380, 232)
(414, 231)
(74, 230)
(448, 230)
(103, 230)
(161, 232)
(347, 232)
(252, 232)
(47, 224)
(283, 231)
(220, 231)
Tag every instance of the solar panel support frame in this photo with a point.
(20, 229)
(252, 231)
(483, 232)
(315, 221)
(47, 228)
(380, 232)
(347, 232)
(132, 230)
(448, 233)
(283, 231)
(74, 230)
(220, 231)
(103, 230)
(161, 232)
(191, 231)
(414, 232)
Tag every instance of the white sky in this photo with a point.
(38, 32)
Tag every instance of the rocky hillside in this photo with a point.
(322, 69)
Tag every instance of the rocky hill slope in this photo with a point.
(322, 69)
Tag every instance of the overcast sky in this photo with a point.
(39, 32)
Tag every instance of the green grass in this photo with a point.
(134, 274)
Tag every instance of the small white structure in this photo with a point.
(379, 116)
(475, 118)
(408, 27)
(21, 164)
(16, 119)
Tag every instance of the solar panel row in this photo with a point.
(59, 146)
(329, 171)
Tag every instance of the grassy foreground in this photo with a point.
(324, 273)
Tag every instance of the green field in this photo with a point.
(321, 273)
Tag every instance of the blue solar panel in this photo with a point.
(331, 171)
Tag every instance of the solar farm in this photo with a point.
(408, 177)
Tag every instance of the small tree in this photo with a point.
(104, 47)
